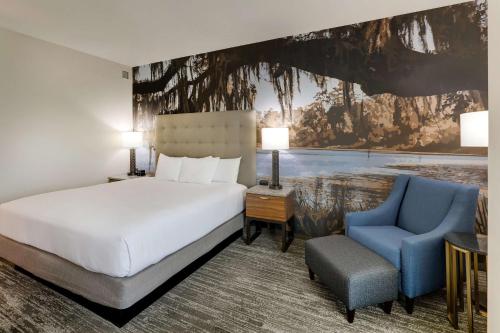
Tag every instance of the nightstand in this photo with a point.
(271, 206)
(118, 178)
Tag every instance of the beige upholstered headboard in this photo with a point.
(224, 134)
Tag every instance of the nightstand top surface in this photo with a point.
(265, 190)
(125, 176)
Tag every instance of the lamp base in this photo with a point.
(275, 179)
(132, 163)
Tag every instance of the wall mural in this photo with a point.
(364, 102)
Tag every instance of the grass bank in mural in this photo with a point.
(330, 183)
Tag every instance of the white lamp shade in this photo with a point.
(132, 139)
(474, 129)
(275, 138)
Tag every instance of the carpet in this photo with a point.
(254, 288)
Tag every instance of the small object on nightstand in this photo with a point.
(271, 206)
(263, 182)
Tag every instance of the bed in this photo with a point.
(116, 246)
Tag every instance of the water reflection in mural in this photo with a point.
(329, 183)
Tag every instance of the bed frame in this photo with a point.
(225, 134)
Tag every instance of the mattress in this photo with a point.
(120, 228)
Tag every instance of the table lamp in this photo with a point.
(474, 129)
(274, 139)
(132, 140)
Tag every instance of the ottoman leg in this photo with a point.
(311, 274)
(387, 307)
(350, 315)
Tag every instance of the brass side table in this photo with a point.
(462, 247)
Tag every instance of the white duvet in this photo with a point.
(123, 227)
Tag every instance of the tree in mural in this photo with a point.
(377, 55)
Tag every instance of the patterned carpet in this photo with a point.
(252, 288)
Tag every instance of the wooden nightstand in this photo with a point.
(271, 206)
(118, 178)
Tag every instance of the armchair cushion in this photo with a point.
(386, 241)
(425, 204)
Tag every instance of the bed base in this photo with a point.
(121, 317)
(116, 299)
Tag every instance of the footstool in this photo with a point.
(355, 274)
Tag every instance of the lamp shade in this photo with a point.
(132, 139)
(275, 138)
(474, 129)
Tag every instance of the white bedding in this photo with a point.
(123, 227)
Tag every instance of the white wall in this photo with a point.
(60, 116)
(494, 167)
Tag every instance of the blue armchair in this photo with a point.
(408, 229)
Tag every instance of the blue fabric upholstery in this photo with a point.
(386, 241)
(424, 211)
(421, 194)
(386, 213)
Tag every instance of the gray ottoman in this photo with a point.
(356, 275)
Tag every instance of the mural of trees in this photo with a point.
(396, 86)
(439, 53)
(385, 121)
(380, 56)
(376, 54)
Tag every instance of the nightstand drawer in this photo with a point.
(269, 207)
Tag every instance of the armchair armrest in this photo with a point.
(385, 214)
(423, 256)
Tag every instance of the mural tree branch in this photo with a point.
(378, 55)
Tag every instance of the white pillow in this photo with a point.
(168, 168)
(227, 170)
(198, 170)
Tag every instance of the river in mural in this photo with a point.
(330, 183)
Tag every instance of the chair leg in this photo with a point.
(409, 304)
(311, 274)
(387, 307)
(350, 315)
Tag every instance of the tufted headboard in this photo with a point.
(224, 134)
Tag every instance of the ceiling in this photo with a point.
(132, 32)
